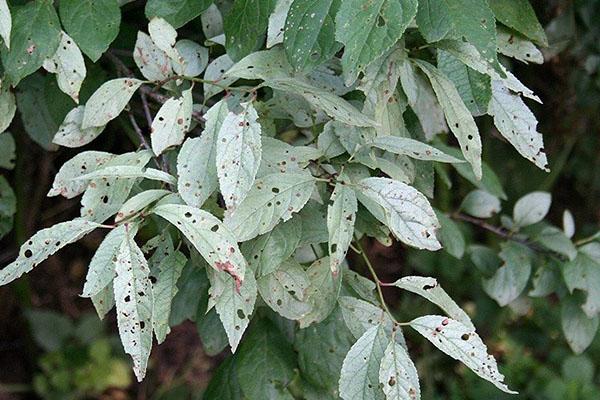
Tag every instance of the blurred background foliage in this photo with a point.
(68, 354)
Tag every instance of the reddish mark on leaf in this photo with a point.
(445, 322)
(228, 267)
(30, 49)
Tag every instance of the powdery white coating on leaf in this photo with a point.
(139, 202)
(398, 374)
(153, 63)
(272, 198)
(68, 65)
(164, 36)
(517, 124)
(278, 156)
(101, 270)
(369, 30)
(284, 290)
(233, 303)
(481, 204)
(238, 154)
(108, 101)
(277, 19)
(5, 23)
(359, 378)
(322, 293)
(457, 114)
(408, 213)
(164, 290)
(71, 134)
(531, 208)
(215, 72)
(432, 291)
(412, 148)
(196, 162)
(43, 244)
(341, 215)
(209, 236)
(83, 163)
(463, 344)
(584, 273)
(133, 297)
(172, 122)
(192, 60)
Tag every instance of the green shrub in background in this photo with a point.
(272, 143)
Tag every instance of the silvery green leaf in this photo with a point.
(546, 279)
(272, 198)
(431, 290)
(359, 379)
(398, 374)
(104, 300)
(458, 116)
(341, 215)
(284, 290)
(133, 297)
(407, 212)
(353, 139)
(412, 148)
(450, 236)
(192, 60)
(277, 22)
(238, 154)
(322, 292)
(363, 287)
(172, 122)
(153, 63)
(8, 106)
(101, 270)
(481, 204)
(108, 101)
(329, 143)
(554, 239)
(5, 23)
(7, 150)
(422, 100)
(196, 162)
(212, 22)
(515, 46)
(139, 202)
(215, 72)
(278, 156)
(266, 252)
(68, 65)
(164, 290)
(517, 124)
(234, 303)
(209, 236)
(531, 208)
(579, 329)
(164, 36)
(266, 65)
(568, 223)
(383, 73)
(463, 344)
(83, 163)
(511, 278)
(128, 172)
(43, 244)
(368, 32)
(584, 273)
(71, 134)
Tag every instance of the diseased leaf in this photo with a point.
(164, 36)
(176, 12)
(481, 204)
(108, 101)
(139, 202)
(83, 163)
(7, 150)
(209, 236)
(511, 278)
(104, 301)
(341, 215)
(212, 22)
(579, 328)
(309, 38)
(278, 156)
(359, 378)
(238, 154)
(519, 15)
(275, 29)
(531, 208)
(412, 148)
(272, 198)
(369, 30)
(93, 24)
(192, 60)
(43, 244)
(5, 23)
(214, 72)
(463, 344)
(164, 290)
(129, 172)
(517, 124)
(172, 122)
(246, 25)
(35, 36)
(68, 65)
(71, 134)
(134, 297)
(584, 273)
(515, 46)
(153, 63)
(408, 214)
(398, 374)
(322, 293)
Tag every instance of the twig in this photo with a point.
(138, 130)
(146, 108)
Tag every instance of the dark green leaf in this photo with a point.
(176, 12)
(246, 25)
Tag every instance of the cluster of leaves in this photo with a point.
(334, 132)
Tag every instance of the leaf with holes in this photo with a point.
(276, 25)
(214, 72)
(272, 198)
(108, 101)
(152, 62)
(164, 36)
(139, 203)
(71, 134)
(398, 374)
(463, 344)
(171, 122)
(341, 215)
(65, 182)
(515, 46)
(520, 16)
(412, 148)
(322, 293)
(68, 65)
